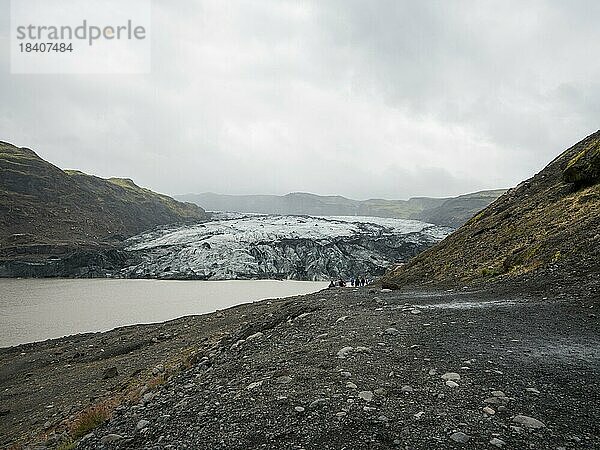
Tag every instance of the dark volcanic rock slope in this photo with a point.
(549, 223)
(45, 211)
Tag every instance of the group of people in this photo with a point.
(354, 282)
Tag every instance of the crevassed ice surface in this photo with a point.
(274, 246)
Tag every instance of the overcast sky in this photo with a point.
(364, 99)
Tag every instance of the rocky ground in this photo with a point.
(502, 367)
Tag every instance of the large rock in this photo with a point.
(584, 167)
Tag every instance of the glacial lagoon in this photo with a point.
(39, 309)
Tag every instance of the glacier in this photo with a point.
(242, 246)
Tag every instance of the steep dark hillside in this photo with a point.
(44, 209)
(440, 211)
(548, 224)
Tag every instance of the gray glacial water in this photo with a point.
(38, 309)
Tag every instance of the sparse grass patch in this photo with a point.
(156, 381)
(68, 445)
(491, 271)
(90, 418)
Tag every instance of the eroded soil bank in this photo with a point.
(341, 368)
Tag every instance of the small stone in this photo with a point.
(460, 437)
(107, 439)
(489, 411)
(496, 400)
(391, 331)
(142, 424)
(340, 414)
(254, 336)
(497, 442)
(254, 385)
(351, 385)
(528, 422)
(498, 394)
(415, 311)
(367, 396)
(432, 372)
(299, 409)
(284, 379)
(345, 374)
(407, 389)
(451, 376)
(344, 352)
(147, 398)
(451, 384)
(382, 419)
(111, 372)
(532, 390)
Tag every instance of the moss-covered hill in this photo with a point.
(549, 223)
(43, 206)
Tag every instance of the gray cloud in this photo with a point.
(365, 99)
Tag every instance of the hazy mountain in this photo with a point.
(456, 211)
(547, 224)
(440, 211)
(44, 210)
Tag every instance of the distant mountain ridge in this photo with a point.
(451, 212)
(45, 210)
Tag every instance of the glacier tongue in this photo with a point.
(280, 247)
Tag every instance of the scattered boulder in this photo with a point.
(367, 396)
(344, 352)
(497, 442)
(142, 424)
(584, 168)
(110, 372)
(254, 336)
(254, 385)
(460, 437)
(451, 376)
(528, 422)
(284, 379)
